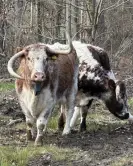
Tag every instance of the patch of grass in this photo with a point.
(59, 153)
(19, 156)
(127, 160)
(15, 156)
(130, 102)
(21, 125)
(103, 120)
(6, 86)
(52, 124)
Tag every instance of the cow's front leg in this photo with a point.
(41, 126)
(83, 115)
(75, 116)
(30, 121)
(30, 130)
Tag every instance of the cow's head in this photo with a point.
(35, 59)
(116, 100)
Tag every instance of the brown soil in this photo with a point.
(94, 148)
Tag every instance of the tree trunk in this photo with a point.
(59, 8)
(68, 17)
(40, 7)
(19, 13)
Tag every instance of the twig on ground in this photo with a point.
(12, 122)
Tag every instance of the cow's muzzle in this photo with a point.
(38, 77)
(127, 116)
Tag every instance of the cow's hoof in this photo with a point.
(66, 132)
(82, 130)
(82, 127)
(39, 141)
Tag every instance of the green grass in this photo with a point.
(103, 121)
(52, 124)
(130, 102)
(6, 86)
(19, 156)
(123, 161)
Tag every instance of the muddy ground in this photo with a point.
(94, 147)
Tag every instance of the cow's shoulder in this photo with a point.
(100, 55)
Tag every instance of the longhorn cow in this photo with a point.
(45, 77)
(96, 81)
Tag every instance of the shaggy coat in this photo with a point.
(49, 78)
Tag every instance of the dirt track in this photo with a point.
(101, 147)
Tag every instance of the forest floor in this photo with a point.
(107, 142)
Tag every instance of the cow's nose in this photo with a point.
(38, 76)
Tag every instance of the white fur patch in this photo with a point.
(81, 74)
(130, 117)
(96, 47)
(111, 75)
(75, 116)
(35, 104)
(90, 75)
(117, 91)
(84, 54)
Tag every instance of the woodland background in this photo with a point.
(106, 23)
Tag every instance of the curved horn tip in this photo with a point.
(11, 62)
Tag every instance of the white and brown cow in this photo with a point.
(45, 77)
(96, 81)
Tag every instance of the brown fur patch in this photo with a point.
(66, 67)
(23, 71)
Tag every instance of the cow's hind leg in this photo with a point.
(62, 118)
(68, 114)
(70, 104)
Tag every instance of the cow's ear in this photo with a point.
(121, 89)
(51, 55)
(18, 49)
(112, 84)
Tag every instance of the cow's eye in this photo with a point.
(28, 58)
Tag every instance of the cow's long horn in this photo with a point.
(11, 62)
(64, 49)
